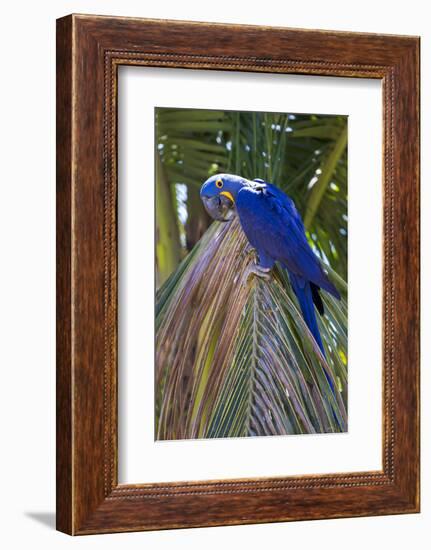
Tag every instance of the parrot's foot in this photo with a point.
(249, 249)
(259, 271)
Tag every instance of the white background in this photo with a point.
(27, 276)
(141, 458)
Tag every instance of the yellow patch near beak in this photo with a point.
(228, 195)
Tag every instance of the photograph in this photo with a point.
(251, 265)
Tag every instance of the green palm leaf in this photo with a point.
(235, 358)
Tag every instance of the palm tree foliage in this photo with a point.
(234, 356)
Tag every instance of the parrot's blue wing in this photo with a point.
(274, 227)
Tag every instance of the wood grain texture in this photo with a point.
(64, 496)
(90, 49)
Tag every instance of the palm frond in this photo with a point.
(235, 358)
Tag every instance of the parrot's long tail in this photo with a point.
(303, 291)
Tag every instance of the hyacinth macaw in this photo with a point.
(275, 230)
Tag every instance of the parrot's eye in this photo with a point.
(219, 184)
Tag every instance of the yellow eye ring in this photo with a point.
(219, 184)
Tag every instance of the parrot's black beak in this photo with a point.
(219, 207)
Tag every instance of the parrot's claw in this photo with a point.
(259, 271)
(249, 249)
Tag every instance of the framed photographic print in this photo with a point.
(237, 274)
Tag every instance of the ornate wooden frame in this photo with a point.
(89, 51)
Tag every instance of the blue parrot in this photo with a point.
(275, 230)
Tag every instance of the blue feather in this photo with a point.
(302, 289)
